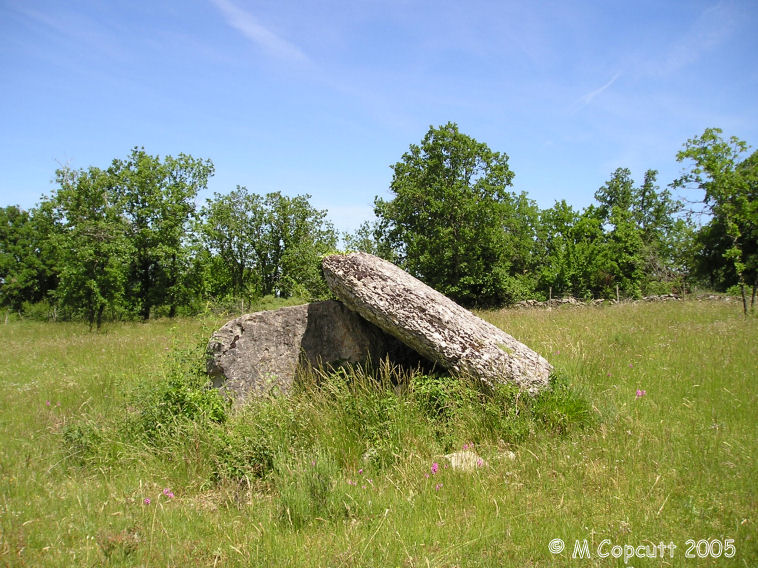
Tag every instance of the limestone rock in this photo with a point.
(465, 460)
(255, 353)
(432, 324)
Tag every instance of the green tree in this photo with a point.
(624, 266)
(158, 198)
(369, 237)
(230, 226)
(91, 242)
(448, 218)
(26, 271)
(557, 270)
(594, 268)
(664, 234)
(729, 184)
(268, 245)
(301, 234)
(640, 233)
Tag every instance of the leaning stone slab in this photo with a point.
(432, 324)
(255, 353)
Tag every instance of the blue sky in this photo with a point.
(322, 97)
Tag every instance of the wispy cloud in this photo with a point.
(245, 23)
(587, 98)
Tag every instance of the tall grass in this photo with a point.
(341, 472)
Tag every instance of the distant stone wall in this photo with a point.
(556, 302)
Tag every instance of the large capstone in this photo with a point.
(257, 353)
(432, 324)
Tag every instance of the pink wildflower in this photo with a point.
(146, 500)
(640, 393)
(438, 487)
(435, 467)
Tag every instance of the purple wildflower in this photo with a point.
(640, 393)
(146, 500)
(435, 467)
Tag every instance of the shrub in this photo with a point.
(187, 395)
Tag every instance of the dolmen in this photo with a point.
(381, 312)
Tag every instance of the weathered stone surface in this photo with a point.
(465, 460)
(432, 324)
(257, 352)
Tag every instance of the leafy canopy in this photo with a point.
(447, 221)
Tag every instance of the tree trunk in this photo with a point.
(744, 298)
(145, 289)
(90, 310)
(172, 287)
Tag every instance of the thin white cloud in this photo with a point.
(587, 98)
(245, 23)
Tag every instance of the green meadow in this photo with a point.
(114, 453)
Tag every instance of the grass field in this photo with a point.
(99, 468)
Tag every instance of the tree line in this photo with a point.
(454, 222)
(129, 241)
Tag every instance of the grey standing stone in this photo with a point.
(432, 324)
(255, 353)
